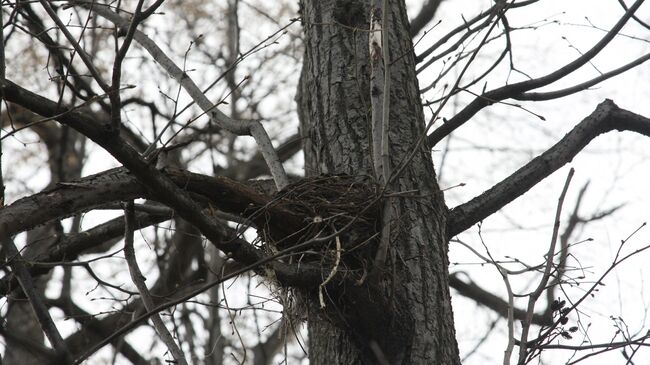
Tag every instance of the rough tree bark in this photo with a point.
(406, 316)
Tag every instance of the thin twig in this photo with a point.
(239, 127)
(519, 88)
(547, 273)
(82, 53)
(507, 354)
(511, 320)
(138, 280)
(120, 54)
(232, 318)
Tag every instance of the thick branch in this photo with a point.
(94, 191)
(66, 199)
(160, 186)
(17, 263)
(607, 117)
(548, 95)
(35, 348)
(425, 15)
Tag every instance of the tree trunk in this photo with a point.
(405, 317)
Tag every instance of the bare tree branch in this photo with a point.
(69, 247)
(641, 22)
(118, 184)
(256, 166)
(607, 117)
(36, 348)
(161, 185)
(80, 51)
(35, 300)
(548, 95)
(145, 295)
(465, 26)
(94, 330)
(546, 275)
(517, 89)
(254, 128)
(492, 301)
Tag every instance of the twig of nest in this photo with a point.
(342, 206)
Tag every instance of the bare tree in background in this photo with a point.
(227, 262)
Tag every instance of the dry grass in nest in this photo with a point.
(327, 205)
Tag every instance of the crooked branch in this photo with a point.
(607, 117)
(145, 294)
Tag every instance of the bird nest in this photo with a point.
(330, 215)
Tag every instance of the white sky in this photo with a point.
(495, 144)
